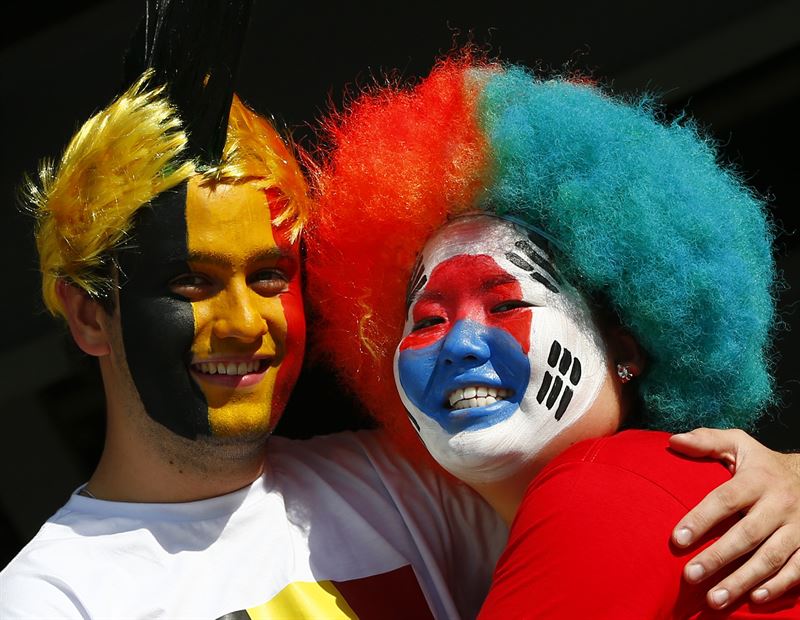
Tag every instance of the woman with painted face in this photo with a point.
(547, 271)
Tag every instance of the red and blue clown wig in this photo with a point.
(648, 225)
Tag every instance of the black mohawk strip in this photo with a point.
(194, 47)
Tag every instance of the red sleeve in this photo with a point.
(591, 540)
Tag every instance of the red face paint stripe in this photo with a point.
(469, 287)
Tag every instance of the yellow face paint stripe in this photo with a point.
(305, 601)
(232, 223)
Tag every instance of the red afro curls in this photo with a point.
(374, 216)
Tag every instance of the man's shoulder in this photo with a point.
(34, 582)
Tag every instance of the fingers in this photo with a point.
(726, 500)
(710, 442)
(787, 577)
(743, 537)
(768, 560)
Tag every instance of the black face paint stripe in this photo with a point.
(575, 375)
(530, 251)
(554, 392)
(564, 403)
(546, 381)
(566, 360)
(555, 351)
(416, 282)
(542, 280)
(157, 326)
(519, 261)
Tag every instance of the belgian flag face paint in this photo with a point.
(211, 311)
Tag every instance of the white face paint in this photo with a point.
(499, 354)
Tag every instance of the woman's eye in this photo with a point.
(511, 305)
(427, 322)
(269, 282)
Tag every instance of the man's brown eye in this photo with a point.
(269, 282)
(511, 305)
(188, 280)
(427, 322)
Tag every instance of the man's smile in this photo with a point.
(231, 372)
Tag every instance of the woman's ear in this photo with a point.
(88, 321)
(628, 356)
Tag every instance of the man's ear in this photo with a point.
(87, 319)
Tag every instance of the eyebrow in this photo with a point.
(496, 281)
(218, 258)
(427, 295)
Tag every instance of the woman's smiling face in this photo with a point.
(499, 355)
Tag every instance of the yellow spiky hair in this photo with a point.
(256, 152)
(118, 161)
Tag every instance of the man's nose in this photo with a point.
(465, 344)
(239, 317)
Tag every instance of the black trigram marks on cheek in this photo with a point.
(526, 257)
(415, 282)
(565, 368)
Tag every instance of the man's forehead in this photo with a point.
(192, 222)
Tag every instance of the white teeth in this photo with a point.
(476, 396)
(228, 368)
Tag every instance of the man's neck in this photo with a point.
(144, 462)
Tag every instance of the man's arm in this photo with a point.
(765, 486)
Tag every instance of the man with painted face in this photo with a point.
(573, 266)
(173, 256)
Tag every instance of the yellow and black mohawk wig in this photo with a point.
(178, 117)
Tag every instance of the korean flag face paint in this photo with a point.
(499, 355)
(211, 312)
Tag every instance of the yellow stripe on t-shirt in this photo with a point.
(305, 601)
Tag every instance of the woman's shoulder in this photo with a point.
(636, 455)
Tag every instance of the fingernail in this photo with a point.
(762, 594)
(694, 572)
(720, 597)
(683, 536)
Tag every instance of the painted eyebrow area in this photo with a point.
(429, 295)
(494, 282)
(221, 259)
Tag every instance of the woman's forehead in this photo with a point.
(473, 235)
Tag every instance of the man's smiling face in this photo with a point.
(499, 354)
(211, 311)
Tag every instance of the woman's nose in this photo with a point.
(465, 344)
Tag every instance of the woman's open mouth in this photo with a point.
(476, 396)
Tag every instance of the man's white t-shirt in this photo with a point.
(338, 527)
